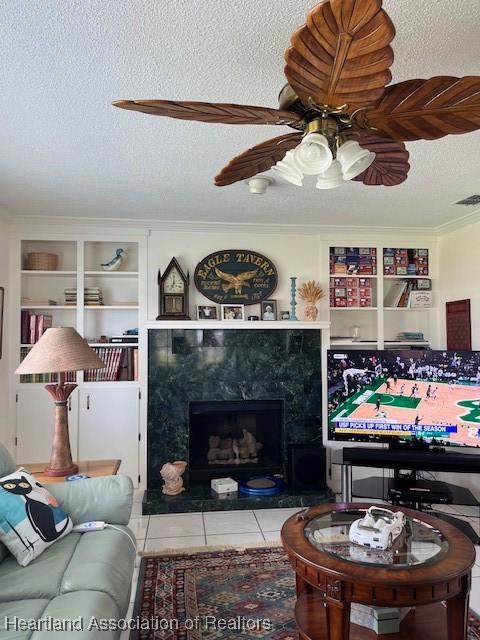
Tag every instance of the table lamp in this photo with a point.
(60, 349)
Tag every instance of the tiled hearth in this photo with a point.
(228, 365)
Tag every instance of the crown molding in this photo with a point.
(188, 226)
(464, 221)
(144, 226)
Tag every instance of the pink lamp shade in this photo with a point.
(60, 349)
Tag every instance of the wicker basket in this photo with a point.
(42, 261)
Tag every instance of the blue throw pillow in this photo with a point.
(30, 517)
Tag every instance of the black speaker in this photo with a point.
(307, 467)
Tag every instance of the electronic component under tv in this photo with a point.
(408, 396)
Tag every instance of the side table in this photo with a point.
(92, 468)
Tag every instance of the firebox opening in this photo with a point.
(235, 438)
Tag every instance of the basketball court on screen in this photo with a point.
(454, 404)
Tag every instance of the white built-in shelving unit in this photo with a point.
(104, 416)
(379, 325)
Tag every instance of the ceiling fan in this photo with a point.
(349, 125)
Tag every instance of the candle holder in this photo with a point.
(293, 300)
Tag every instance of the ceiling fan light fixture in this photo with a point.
(354, 159)
(288, 169)
(259, 184)
(313, 154)
(332, 177)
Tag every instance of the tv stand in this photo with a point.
(398, 459)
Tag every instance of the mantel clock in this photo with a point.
(173, 293)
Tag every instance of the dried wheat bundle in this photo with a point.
(311, 292)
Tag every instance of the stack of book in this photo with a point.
(92, 297)
(44, 302)
(45, 378)
(120, 364)
(71, 297)
(33, 326)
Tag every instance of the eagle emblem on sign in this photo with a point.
(235, 282)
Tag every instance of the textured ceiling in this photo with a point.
(64, 151)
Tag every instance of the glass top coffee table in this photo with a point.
(428, 563)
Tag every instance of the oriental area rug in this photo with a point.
(232, 594)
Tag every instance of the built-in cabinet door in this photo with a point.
(35, 423)
(109, 426)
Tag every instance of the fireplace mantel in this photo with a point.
(236, 324)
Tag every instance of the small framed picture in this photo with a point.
(207, 312)
(233, 312)
(284, 315)
(269, 310)
(424, 284)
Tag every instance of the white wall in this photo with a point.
(4, 370)
(460, 274)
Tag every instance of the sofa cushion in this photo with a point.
(102, 561)
(30, 517)
(87, 606)
(43, 577)
(22, 610)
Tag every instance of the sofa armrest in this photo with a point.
(108, 498)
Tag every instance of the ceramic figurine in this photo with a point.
(115, 262)
(171, 473)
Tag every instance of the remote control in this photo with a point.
(95, 525)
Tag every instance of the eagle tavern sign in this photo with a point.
(236, 275)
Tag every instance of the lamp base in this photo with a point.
(57, 473)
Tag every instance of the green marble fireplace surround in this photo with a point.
(228, 364)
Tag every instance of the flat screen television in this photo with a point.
(410, 395)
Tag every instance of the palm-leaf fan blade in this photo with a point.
(390, 167)
(257, 159)
(426, 109)
(342, 55)
(210, 112)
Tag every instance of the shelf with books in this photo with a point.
(353, 308)
(51, 307)
(121, 363)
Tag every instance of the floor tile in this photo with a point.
(273, 536)
(174, 526)
(234, 538)
(160, 544)
(139, 526)
(220, 522)
(136, 509)
(273, 519)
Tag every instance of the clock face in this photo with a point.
(174, 282)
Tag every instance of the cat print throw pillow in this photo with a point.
(30, 517)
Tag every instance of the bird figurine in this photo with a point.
(115, 262)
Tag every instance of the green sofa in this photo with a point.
(83, 578)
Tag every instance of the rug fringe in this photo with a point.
(209, 549)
